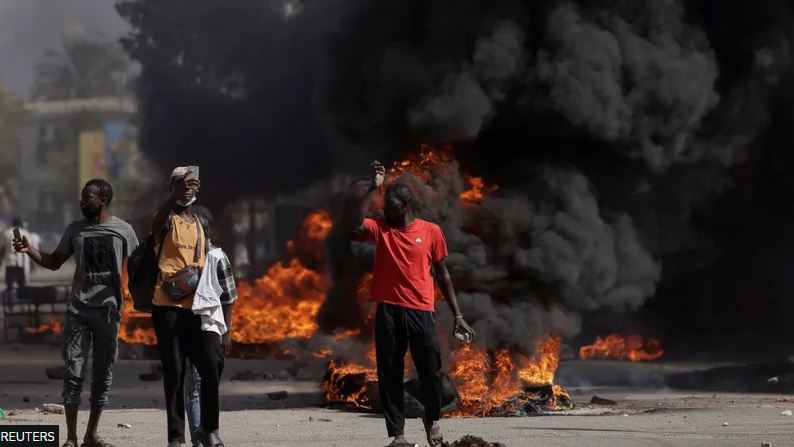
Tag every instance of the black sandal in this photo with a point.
(209, 439)
(98, 443)
(402, 443)
(215, 440)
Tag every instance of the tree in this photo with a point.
(230, 85)
(83, 67)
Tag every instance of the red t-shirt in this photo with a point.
(403, 257)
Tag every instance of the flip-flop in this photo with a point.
(402, 444)
(98, 443)
(434, 435)
(69, 443)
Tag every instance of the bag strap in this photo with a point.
(199, 237)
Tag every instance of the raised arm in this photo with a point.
(363, 192)
(179, 191)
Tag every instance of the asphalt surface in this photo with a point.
(642, 416)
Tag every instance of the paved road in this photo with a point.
(748, 426)
(642, 417)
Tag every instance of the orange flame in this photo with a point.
(136, 327)
(486, 382)
(470, 372)
(311, 235)
(632, 348)
(421, 163)
(541, 367)
(282, 304)
(476, 191)
(54, 326)
(333, 385)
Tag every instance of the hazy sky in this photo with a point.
(29, 27)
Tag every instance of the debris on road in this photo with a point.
(473, 441)
(601, 401)
(150, 377)
(314, 419)
(278, 395)
(246, 376)
(56, 373)
(52, 408)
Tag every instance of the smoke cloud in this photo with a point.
(639, 146)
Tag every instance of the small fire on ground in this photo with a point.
(618, 347)
(53, 326)
(498, 383)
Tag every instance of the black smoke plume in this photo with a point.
(642, 148)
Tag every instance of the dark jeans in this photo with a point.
(85, 326)
(15, 275)
(396, 329)
(179, 337)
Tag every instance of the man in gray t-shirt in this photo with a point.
(99, 250)
(100, 244)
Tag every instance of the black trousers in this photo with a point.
(15, 276)
(396, 329)
(179, 336)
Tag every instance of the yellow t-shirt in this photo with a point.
(178, 252)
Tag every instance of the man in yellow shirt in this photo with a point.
(182, 247)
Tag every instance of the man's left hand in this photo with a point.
(461, 327)
(226, 342)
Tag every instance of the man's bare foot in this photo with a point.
(433, 431)
(70, 443)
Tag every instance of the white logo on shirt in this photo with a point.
(419, 240)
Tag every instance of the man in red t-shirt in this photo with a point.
(409, 253)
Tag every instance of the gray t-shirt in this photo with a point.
(99, 251)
